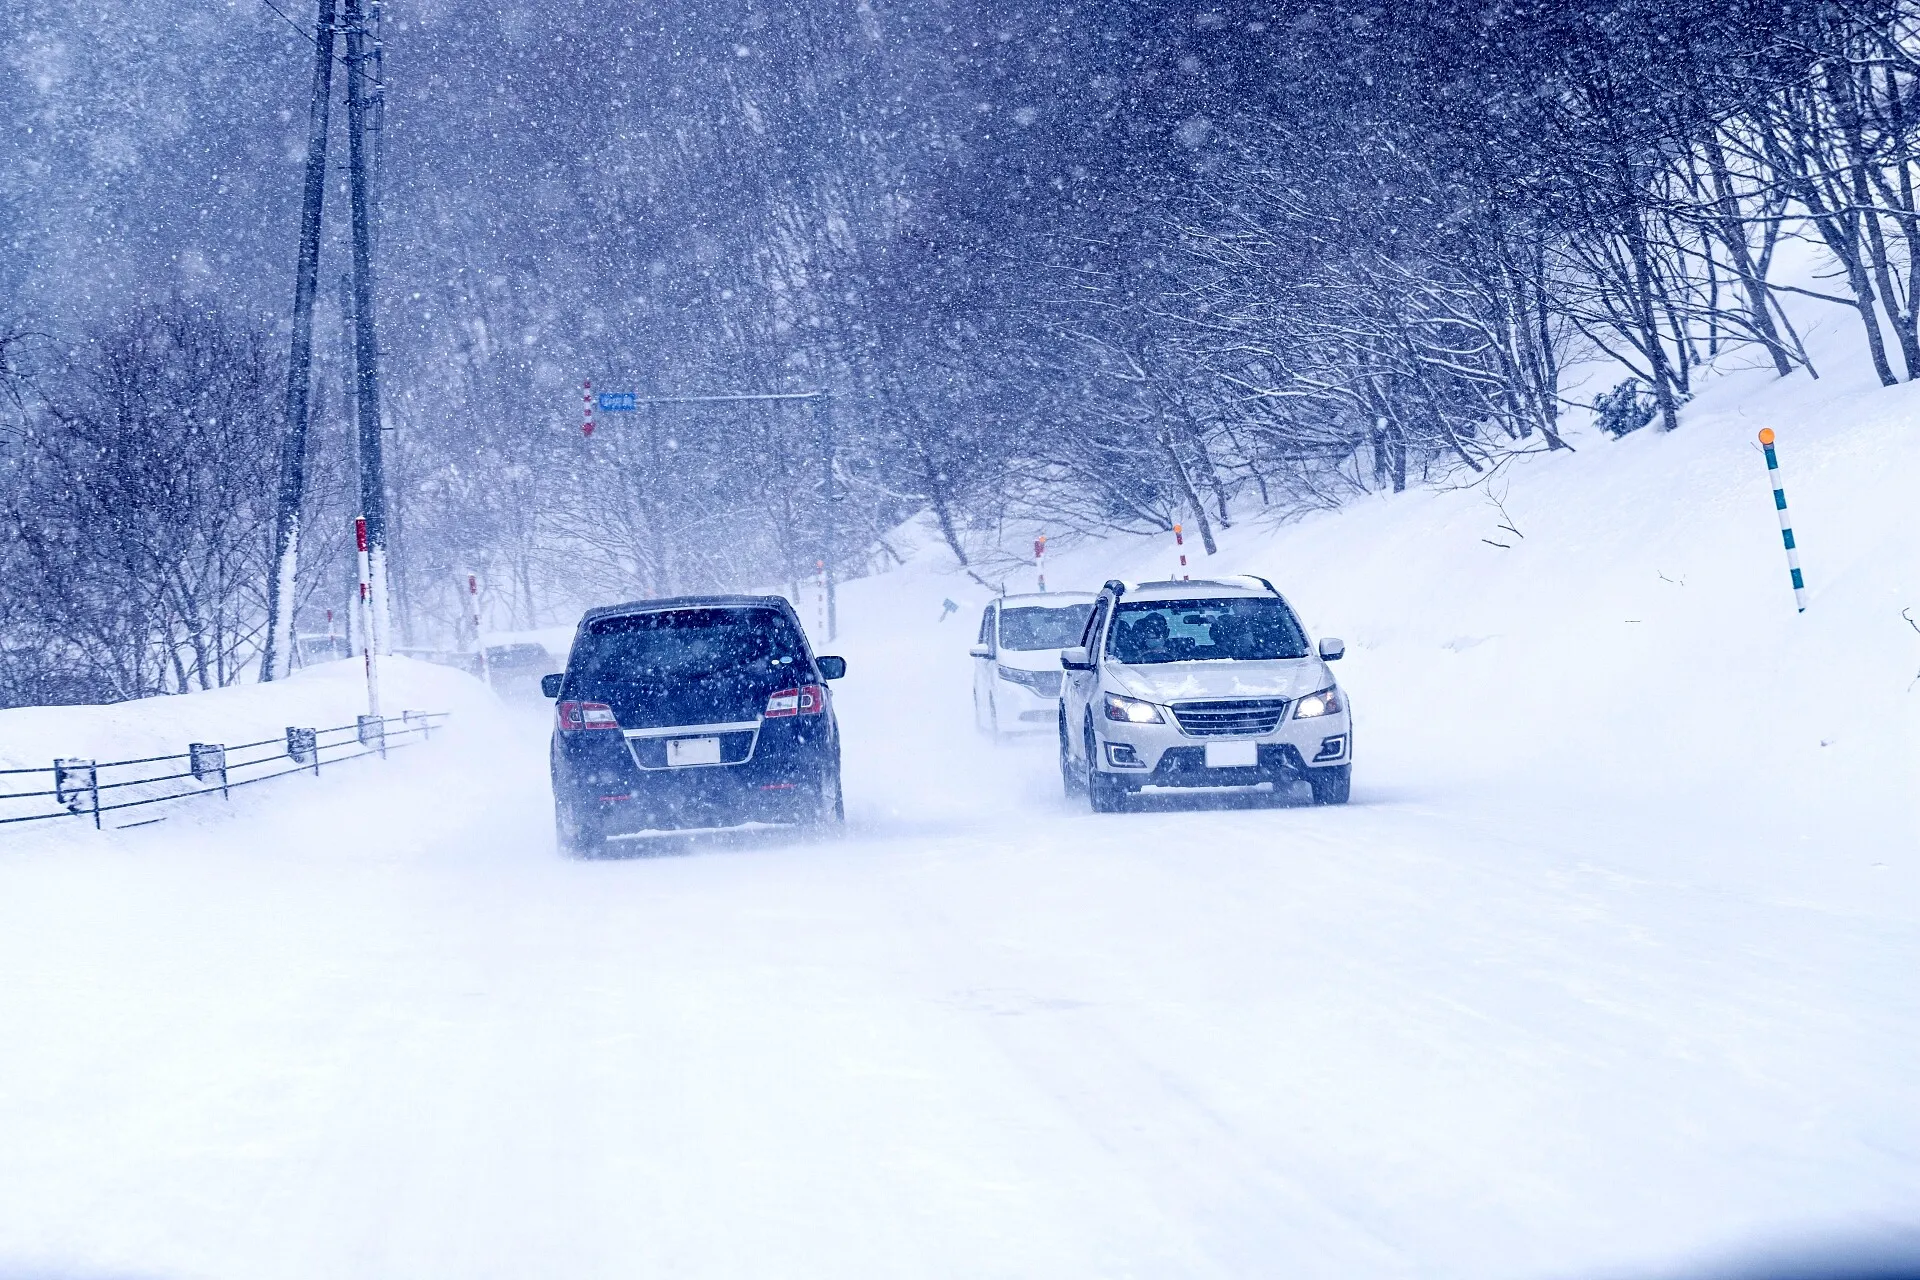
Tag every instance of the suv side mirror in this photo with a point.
(1332, 648)
(980, 651)
(550, 685)
(1075, 659)
(831, 668)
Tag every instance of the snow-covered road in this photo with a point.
(1608, 971)
(986, 1033)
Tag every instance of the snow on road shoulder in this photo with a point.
(359, 792)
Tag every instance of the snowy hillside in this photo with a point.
(1607, 970)
(1633, 646)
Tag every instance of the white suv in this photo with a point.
(1016, 664)
(1200, 684)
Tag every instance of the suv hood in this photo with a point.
(1187, 681)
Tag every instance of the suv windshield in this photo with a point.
(1043, 626)
(687, 644)
(1235, 630)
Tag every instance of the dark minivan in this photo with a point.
(692, 713)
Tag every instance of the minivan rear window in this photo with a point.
(679, 644)
(1043, 626)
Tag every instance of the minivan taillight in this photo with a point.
(807, 700)
(586, 715)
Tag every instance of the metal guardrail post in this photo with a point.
(208, 760)
(372, 731)
(303, 747)
(76, 784)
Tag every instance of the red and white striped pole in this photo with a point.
(479, 645)
(586, 407)
(1040, 559)
(1180, 544)
(366, 616)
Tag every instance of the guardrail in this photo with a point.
(90, 788)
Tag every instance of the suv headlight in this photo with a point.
(1132, 710)
(1324, 703)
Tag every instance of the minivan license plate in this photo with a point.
(1232, 755)
(693, 751)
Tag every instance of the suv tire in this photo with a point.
(1070, 781)
(831, 805)
(577, 837)
(1105, 793)
(1331, 786)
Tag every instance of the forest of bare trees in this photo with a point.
(1072, 270)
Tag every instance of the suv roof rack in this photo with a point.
(1253, 579)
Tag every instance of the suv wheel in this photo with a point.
(1070, 781)
(1331, 786)
(832, 805)
(576, 835)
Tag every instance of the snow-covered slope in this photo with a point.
(1633, 644)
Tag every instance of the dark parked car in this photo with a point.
(692, 713)
(516, 670)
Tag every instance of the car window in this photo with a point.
(1238, 630)
(986, 626)
(1043, 626)
(683, 644)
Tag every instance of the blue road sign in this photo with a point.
(617, 402)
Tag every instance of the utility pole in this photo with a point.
(824, 420)
(366, 348)
(276, 657)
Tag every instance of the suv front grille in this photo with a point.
(1218, 719)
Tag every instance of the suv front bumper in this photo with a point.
(1164, 755)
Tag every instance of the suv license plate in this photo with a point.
(693, 751)
(1232, 755)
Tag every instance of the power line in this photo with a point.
(308, 37)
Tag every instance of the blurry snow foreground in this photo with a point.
(1606, 971)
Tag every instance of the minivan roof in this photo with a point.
(1048, 597)
(685, 602)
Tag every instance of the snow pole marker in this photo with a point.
(1180, 544)
(820, 567)
(586, 407)
(1040, 559)
(366, 618)
(479, 645)
(1786, 524)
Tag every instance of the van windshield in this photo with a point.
(1043, 626)
(687, 644)
(1145, 632)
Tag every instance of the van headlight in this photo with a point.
(1324, 703)
(1131, 710)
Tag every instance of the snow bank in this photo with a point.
(323, 696)
(328, 694)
